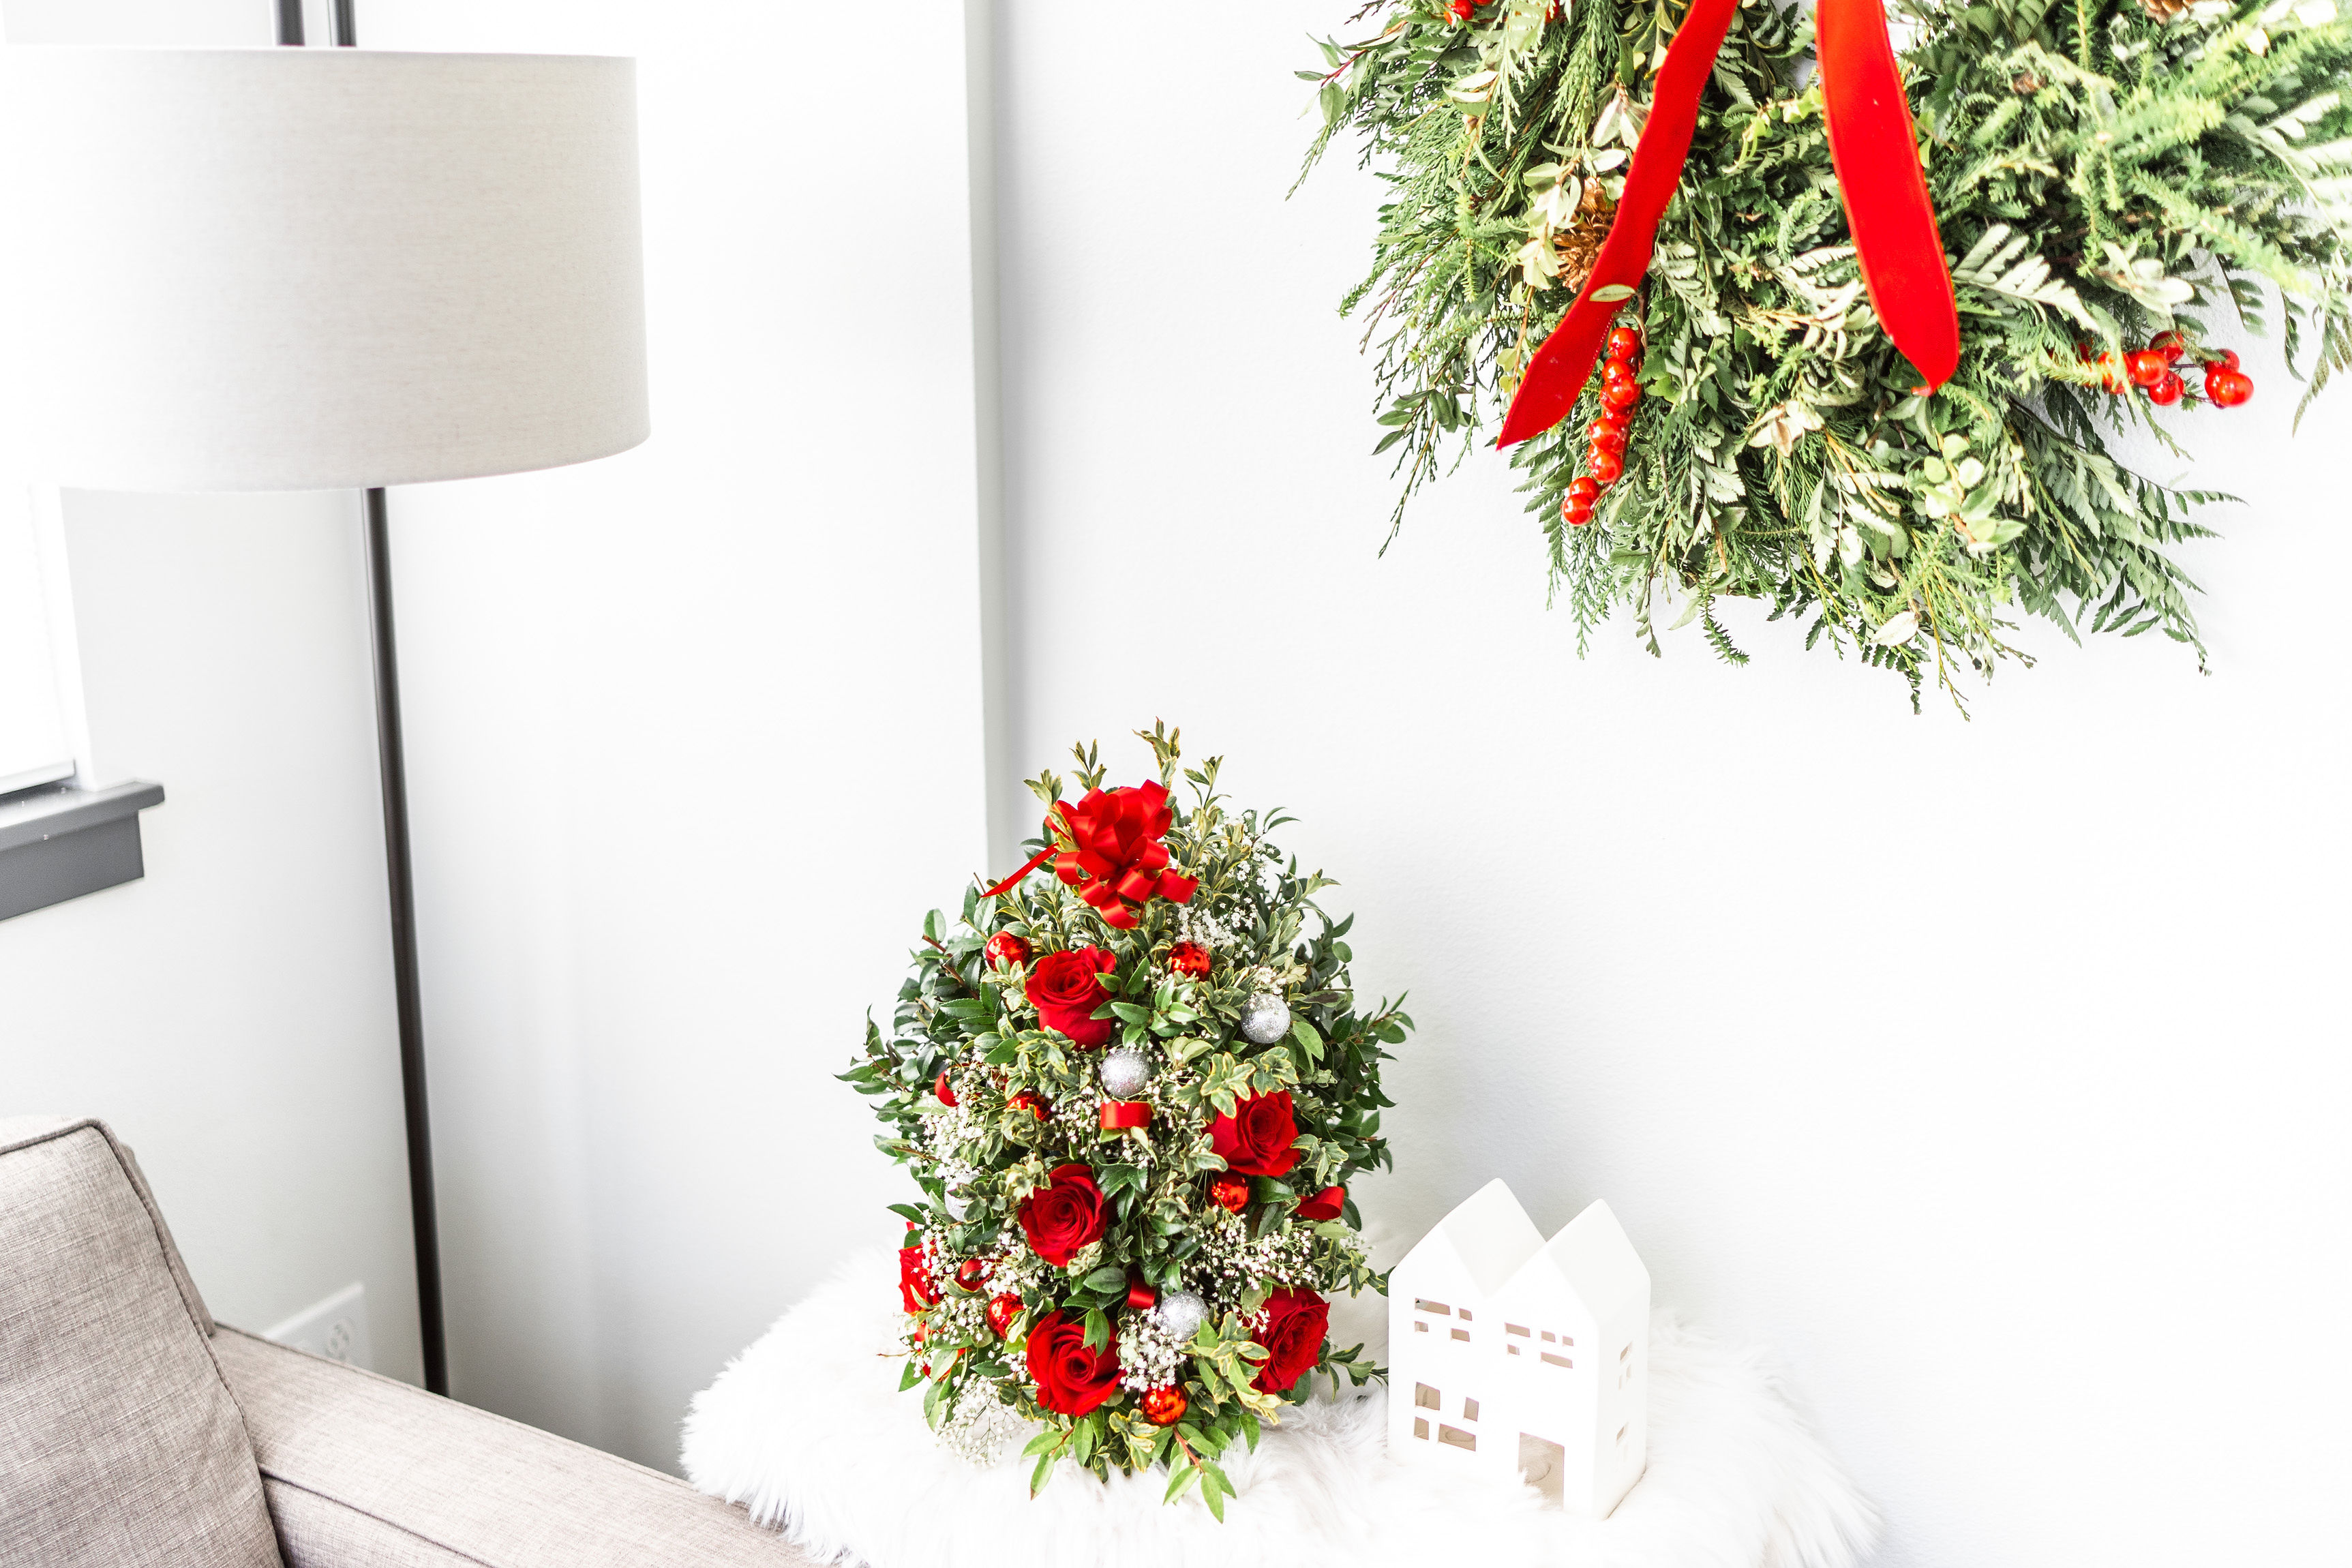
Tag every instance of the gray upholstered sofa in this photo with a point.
(136, 1434)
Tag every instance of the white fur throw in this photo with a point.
(808, 1429)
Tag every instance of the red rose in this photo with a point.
(1063, 1215)
(1068, 987)
(1071, 1379)
(1257, 1138)
(1189, 958)
(1325, 1204)
(1005, 949)
(1295, 1322)
(916, 1290)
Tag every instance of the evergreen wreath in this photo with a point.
(2111, 178)
(1133, 1094)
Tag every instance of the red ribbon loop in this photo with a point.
(1876, 150)
(1108, 848)
(1122, 1113)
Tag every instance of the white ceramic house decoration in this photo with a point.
(1522, 1357)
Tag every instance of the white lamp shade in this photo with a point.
(250, 269)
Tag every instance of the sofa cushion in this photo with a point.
(119, 1444)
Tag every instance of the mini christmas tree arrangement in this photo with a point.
(1870, 390)
(1133, 1093)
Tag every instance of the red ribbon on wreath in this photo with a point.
(1108, 848)
(1876, 150)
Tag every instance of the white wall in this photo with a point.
(695, 732)
(1992, 1072)
(231, 1013)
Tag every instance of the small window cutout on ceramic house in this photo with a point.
(1470, 1411)
(1421, 1328)
(1420, 1427)
(1439, 1308)
(1515, 1329)
(1552, 1360)
(1542, 1465)
(1460, 1333)
(1455, 1437)
(1425, 1396)
(1465, 1314)
(1513, 1349)
(1550, 1338)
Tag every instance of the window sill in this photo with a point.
(59, 843)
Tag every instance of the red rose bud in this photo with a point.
(1325, 1204)
(1295, 1322)
(1066, 988)
(1024, 1100)
(947, 1095)
(1063, 1215)
(1188, 959)
(1002, 1310)
(1140, 1296)
(1229, 1192)
(1259, 1138)
(1121, 1113)
(916, 1290)
(1071, 1378)
(1005, 949)
(971, 1274)
(1163, 1407)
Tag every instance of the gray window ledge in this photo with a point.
(59, 843)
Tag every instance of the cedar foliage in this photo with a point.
(2100, 174)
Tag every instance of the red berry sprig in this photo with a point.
(1606, 459)
(2154, 370)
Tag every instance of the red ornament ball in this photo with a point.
(2227, 388)
(1624, 342)
(1002, 1310)
(971, 1274)
(1006, 950)
(1584, 489)
(1608, 438)
(1229, 1192)
(1576, 516)
(1188, 959)
(947, 1095)
(2167, 393)
(2146, 368)
(1163, 1407)
(1622, 394)
(1616, 370)
(1606, 466)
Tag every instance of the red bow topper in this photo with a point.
(1876, 150)
(1108, 848)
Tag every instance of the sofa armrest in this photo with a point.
(365, 1472)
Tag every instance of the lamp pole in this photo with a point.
(399, 878)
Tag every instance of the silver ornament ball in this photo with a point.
(1180, 1314)
(1123, 1072)
(1265, 1018)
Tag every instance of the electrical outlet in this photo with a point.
(336, 1328)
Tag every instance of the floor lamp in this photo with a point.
(300, 269)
